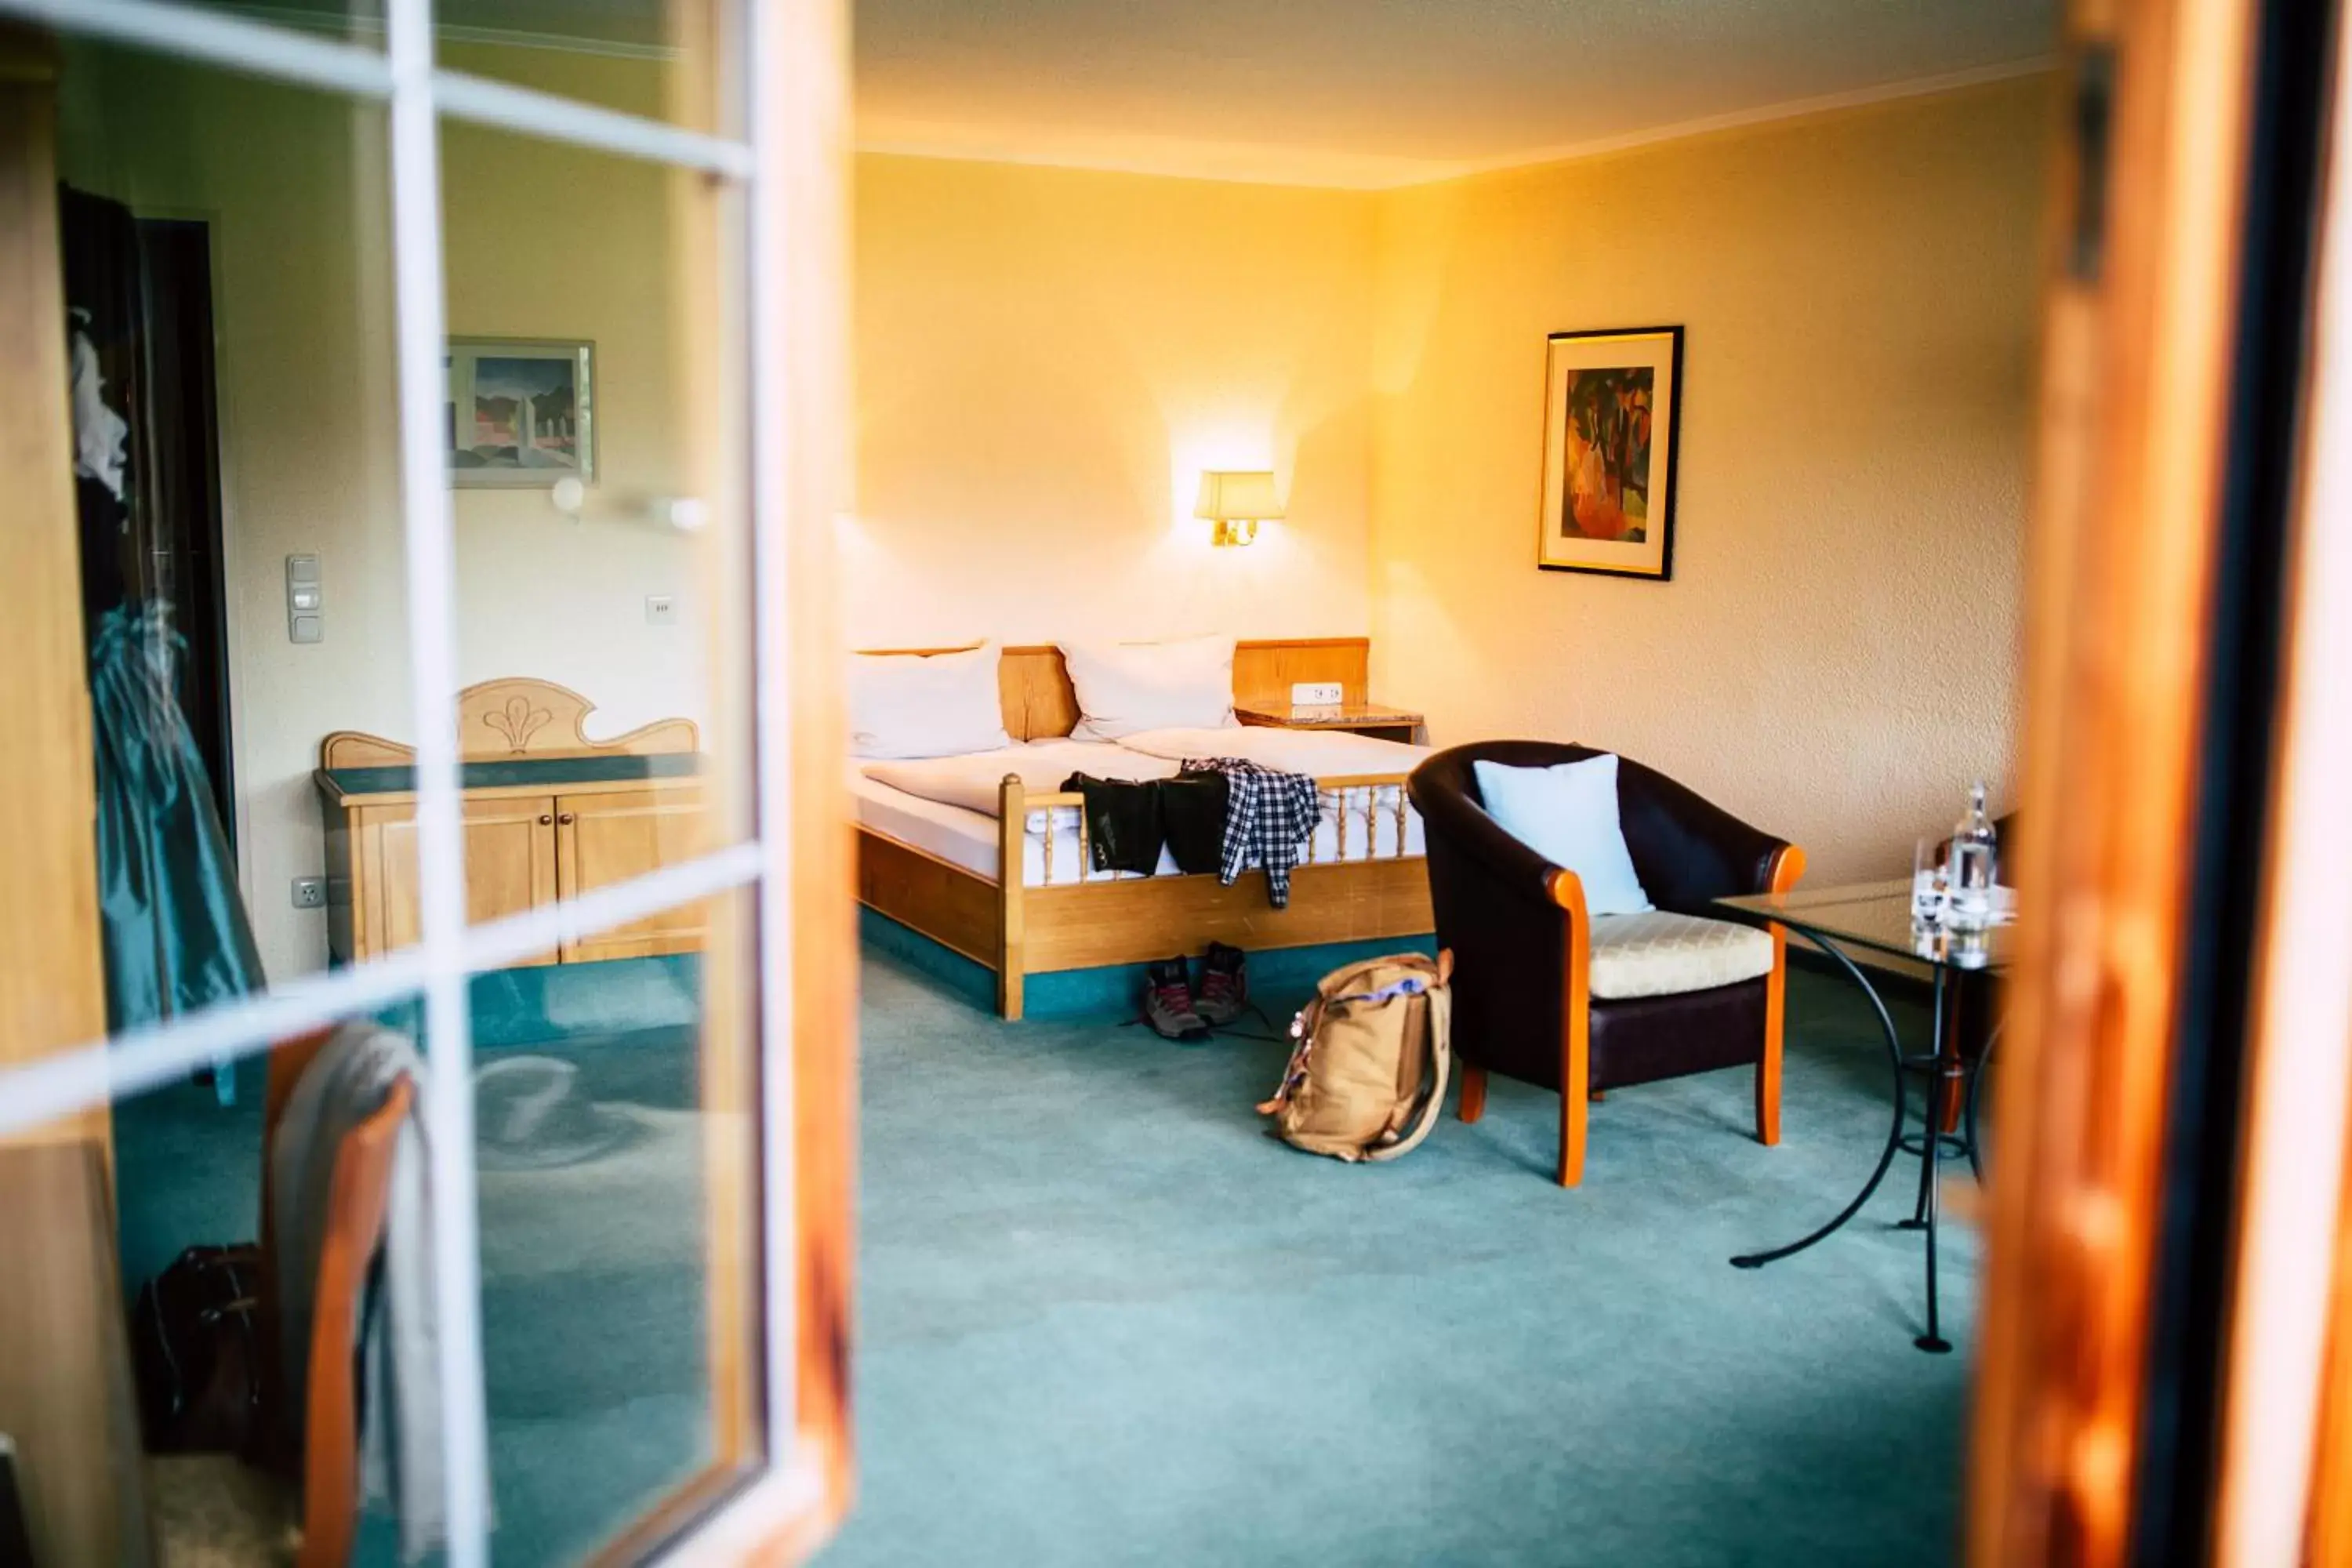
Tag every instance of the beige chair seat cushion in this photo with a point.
(1661, 955)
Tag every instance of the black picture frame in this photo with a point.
(1579, 363)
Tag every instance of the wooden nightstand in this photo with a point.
(1361, 718)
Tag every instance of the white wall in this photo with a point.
(542, 242)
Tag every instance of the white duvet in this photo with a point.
(972, 779)
(954, 799)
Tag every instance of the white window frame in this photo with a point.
(419, 96)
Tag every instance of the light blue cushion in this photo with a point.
(1568, 815)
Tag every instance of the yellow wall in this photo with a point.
(1046, 360)
(1836, 654)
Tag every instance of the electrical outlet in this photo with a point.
(1315, 694)
(309, 893)
(661, 610)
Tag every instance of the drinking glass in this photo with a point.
(1927, 890)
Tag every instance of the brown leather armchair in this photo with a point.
(1524, 946)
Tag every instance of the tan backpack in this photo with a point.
(1367, 1078)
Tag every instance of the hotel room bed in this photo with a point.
(1358, 822)
(939, 866)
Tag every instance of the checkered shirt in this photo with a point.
(1269, 816)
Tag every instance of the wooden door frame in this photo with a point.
(59, 1385)
(2175, 336)
(52, 989)
(2285, 1477)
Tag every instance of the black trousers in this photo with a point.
(1130, 821)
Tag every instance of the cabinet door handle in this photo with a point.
(566, 817)
(544, 820)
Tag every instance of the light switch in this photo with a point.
(661, 609)
(305, 600)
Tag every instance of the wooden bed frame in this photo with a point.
(1018, 931)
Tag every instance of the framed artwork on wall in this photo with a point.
(1611, 423)
(521, 412)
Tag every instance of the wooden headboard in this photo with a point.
(1038, 700)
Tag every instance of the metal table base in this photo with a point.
(1930, 1142)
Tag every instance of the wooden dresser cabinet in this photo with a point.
(550, 815)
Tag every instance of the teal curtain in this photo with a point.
(175, 931)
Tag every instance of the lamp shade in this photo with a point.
(1237, 495)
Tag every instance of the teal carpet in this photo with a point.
(1104, 1321)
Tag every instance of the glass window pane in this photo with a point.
(166, 1330)
(660, 59)
(357, 21)
(242, 546)
(620, 1299)
(603, 593)
(602, 604)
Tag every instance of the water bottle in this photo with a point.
(1967, 876)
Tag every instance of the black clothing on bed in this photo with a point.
(1122, 822)
(1192, 816)
(1130, 821)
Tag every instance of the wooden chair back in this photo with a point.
(356, 1199)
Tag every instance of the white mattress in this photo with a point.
(964, 838)
(1356, 824)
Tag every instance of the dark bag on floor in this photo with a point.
(196, 1345)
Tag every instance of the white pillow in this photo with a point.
(1125, 689)
(936, 705)
(1568, 815)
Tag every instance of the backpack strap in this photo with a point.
(1294, 1072)
(1440, 998)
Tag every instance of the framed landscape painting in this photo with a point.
(1612, 413)
(521, 412)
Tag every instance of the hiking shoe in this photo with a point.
(1168, 1003)
(1224, 989)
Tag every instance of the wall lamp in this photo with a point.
(686, 515)
(1237, 503)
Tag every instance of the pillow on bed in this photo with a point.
(1125, 689)
(936, 705)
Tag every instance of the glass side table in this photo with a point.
(1876, 916)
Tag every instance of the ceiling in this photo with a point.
(1374, 92)
(1344, 92)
